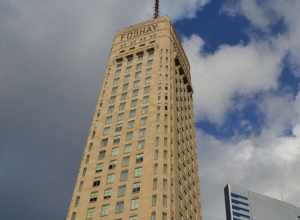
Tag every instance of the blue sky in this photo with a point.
(245, 59)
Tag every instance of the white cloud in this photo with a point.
(231, 70)
(259, 15)
(264, 14)
(182, 9)
(269, 167)
(268, 163)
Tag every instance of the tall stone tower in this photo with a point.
(140, 160)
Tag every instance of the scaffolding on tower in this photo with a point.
(156, 9)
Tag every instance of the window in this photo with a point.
(117, 73)
(136, 187)
(115, 151)
(93, 134)
(138, 172)
(120, 117)
(104, 142)
(156, 155)
(140, 56)
(141, 145)
(110, 178)
(112, 165)
(106, 131)
(132, 113)
(116, 140)
(125, 87)
(165, 201)
(119, 63)
(165, 168)
(122, 106)
(165, 184)
(134, 217)
(125, 161)
(139, 158)
(147, 81)
(157, 140)
(73, 217)
(119, 207)
(123, 96)
(118, 129)
(77, 201)
(90, 213)
(155, 168)
(96, 183)
(131, 124)
(107, 193)
(145, 110)
(150, 52)
(93, 196)
(90, 146)
(146, 100)
(166, 128)
(121, 190)
(135, 93)
(149, 62)
(101, 155)
(155, 184)
(104, 210)
(142, 133)
(112, 99)
(138, 75)
(153, 216)
(80, 186)
(134, 103)
(124, 175)
(134, 203)
(148, 71)
(138, 67)
(110, 109)
(129, 136)
(129, 59)
(154, 200)
(127, 148)
(127, 78)
(164, 216)
(157, 117)
(99, 167)
(87, 159)
(128, 69)
(108, 120)
(165, 154)
(146, 90)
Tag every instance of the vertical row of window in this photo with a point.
(160, 180)
(186, 152)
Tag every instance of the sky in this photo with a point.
(245, 63)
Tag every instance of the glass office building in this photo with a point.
(242, 204)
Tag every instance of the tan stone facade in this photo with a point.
(140, 160)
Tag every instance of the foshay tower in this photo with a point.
(140, 160)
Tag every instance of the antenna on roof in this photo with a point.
(156, 9)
